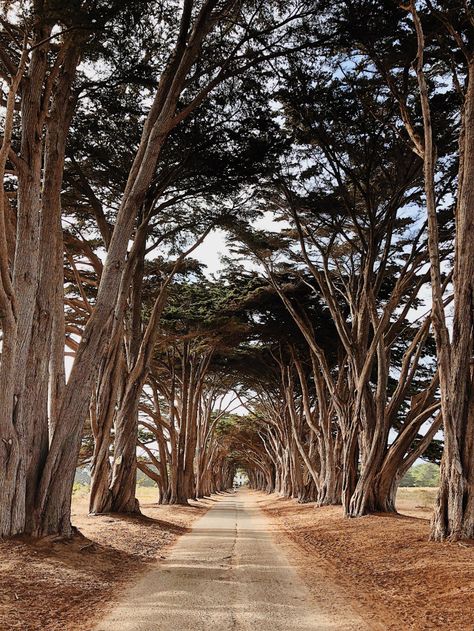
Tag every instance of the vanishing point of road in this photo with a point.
(227, 574)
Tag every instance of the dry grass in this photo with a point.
(416, 501)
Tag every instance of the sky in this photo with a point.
(211, 251)
(214, 245)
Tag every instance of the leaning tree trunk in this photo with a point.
(121, 410)
(53, 499)
(103, 412)
(402, 453)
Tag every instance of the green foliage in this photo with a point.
(82, 481)
(422, 475)
(80, 489)
(144, 481)
(82, 476)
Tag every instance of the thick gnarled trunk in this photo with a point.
(454, 511)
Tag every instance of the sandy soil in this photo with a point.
(395, 578)
(57, 586)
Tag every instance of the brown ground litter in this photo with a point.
(62, 586)
(384, 563)
(395, 579)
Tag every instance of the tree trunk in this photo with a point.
(350, 459)
(102, 420)
(124, 472)
(454, 511)
(453, 517)
(53, 499)
(49, 295)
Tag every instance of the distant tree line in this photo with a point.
(421, 475)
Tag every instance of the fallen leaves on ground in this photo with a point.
(385, 564)
(55, 585)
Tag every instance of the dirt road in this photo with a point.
(228, 574)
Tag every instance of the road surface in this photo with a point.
(227, 574)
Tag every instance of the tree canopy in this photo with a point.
(332, 144)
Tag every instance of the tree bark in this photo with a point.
(454, 511)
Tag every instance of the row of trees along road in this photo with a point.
(328, 355)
